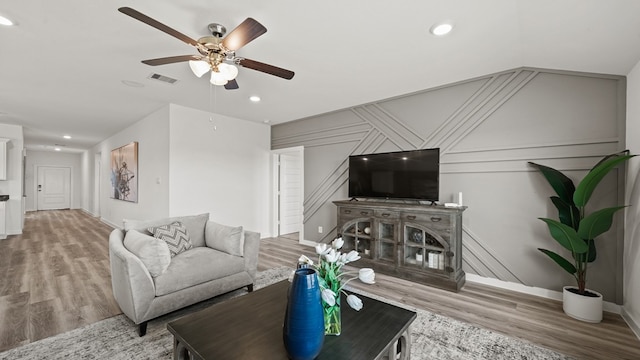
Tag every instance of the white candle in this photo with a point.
(460, 198)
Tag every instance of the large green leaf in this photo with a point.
(597, 223)
(588, 184)
(566, 236)
(568, 214)
(561, 184)
(564, 263)
(621, 153)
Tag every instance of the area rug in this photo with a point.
(433, 337)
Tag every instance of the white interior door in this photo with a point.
(290, 200)
(53, 188)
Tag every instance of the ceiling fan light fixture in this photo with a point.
(228, 71)
(218, 78)
(199, 67)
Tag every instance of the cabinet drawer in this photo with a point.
(356, 213)
(383, 214)
(437, 219)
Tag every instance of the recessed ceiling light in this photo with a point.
(57, 149)
(254, 98)
(266, 121)
(132, 83)
(441, 29)
(5, 21)
(67, 136)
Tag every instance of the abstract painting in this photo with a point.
(124, 173)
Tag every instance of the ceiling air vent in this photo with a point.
(163, 78)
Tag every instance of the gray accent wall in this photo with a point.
(487, 129)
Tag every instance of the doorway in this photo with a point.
(53, 188)
(288, 191)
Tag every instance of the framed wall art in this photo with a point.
(124, 173)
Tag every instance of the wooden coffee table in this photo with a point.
(250, 327)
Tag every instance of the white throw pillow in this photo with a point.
(224, 238)
(154, 253)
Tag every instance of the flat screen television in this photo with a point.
(411, 174)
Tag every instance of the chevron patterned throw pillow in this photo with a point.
(175, 235)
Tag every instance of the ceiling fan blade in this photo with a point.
(243, 34)
(266, 68)
(231, 85)
(170, 60)
(158, 25)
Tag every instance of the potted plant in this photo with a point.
(576, 231)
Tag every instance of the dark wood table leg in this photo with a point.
(179, 351)
(400, 349)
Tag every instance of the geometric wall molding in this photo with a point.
(487, 129)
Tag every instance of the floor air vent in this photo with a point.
(163, 78)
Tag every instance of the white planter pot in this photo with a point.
(580, 307)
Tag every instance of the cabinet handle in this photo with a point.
(385, 214)
(435, 219)
(364, 213)
(347, 211)
(411, 217)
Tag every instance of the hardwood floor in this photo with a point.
(56, 278)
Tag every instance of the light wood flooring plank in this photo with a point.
(57, 278)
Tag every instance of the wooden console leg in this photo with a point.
(250, 288)
(142, 329)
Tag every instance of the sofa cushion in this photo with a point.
(154, 253)
(175, 235)
(194, 223)
(197, 266)
(224, 238)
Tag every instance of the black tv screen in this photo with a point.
(396, 175)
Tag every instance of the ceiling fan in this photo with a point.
(217, 52)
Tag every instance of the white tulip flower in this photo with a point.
(332, 256)
(354, 302)
(337, 243)
(352, 256)
(329, 297)
(305, 260)
(322, 249)
(367, 276)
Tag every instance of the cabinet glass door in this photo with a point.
(422, 249)
(387, 242)
(357, 236)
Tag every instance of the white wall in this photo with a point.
(220, 165)
(13, 185)
(152, 135)
(49, 158)
(632, 196)
(187, 167)
(86, 169)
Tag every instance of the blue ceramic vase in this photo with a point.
(303, 331)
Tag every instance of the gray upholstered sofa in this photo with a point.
(147, 284)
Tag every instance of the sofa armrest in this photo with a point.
(251, 250)
(132, 285)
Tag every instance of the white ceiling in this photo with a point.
(62, 66)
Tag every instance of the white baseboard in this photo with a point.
(532, 290)
(308, 242)
(110, 223)
(633, 324)
(88, 212)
